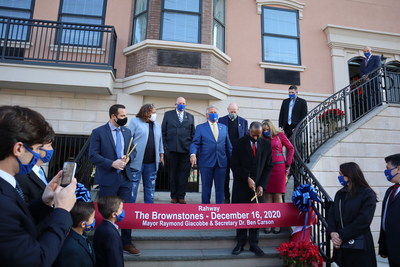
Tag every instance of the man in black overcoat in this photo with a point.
(251, 165)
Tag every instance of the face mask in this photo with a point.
(367, 54)
(121, 216)
(253, 140)
(122, 122)
(89, 227)
(213, 117)
(153, 117)
(49, 154)
(26, 168)
(267, 133)
(342, 181)
(291, 96)
(180, 107)
(388, 174)
(232, 116)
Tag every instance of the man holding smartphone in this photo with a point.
(108, 147)
(23, 133)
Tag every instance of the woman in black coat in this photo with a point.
(350, 217)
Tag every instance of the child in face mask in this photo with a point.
(77, 250)
(107, 241)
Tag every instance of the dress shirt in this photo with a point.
(8, 178)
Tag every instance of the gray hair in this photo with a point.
(211, 106)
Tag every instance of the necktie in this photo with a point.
(42, 176)
(180, 117)
(20, 193)
(291, 105)
(254, 148)
(393, 193)
(118, 144)
(215, 131)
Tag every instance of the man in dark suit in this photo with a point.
(237, 128)
(107, 150)
(293, 110)
(389, 237)
(23, 132)
(178, 131)
(251, 165)
(370, 89)
(211, 143)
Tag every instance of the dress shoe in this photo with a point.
(174, 200)
(182, 201)
(276, 230)
(130, 248)
(267, 230)
(257, 250)
(237, 250)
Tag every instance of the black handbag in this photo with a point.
(356, 243)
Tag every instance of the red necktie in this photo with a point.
(393, 193)
(254, 148)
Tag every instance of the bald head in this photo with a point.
(180, 104)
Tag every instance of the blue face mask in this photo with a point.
(388, 174)
(49, 154)
(26, 168)
(213, 117)
(266, 133)
(180, 107)
(291, 96)
(121, 216)
(342, 181)
(367, 54)
(90, 227)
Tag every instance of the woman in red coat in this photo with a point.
(277, 182)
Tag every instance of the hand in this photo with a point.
(162, 159)
(337, 242)
(48, 194)
(193, 160)
(383, 256)
(251, 183)
(119, 164)
(287, 171)
(64, 197)
(126, 159)
(260, 191)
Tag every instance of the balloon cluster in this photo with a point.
(303, 196)
(82, 193)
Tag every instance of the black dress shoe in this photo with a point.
(267, 230)
(237, 250)
(257, 250)
(276, 231)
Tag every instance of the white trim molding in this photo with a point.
(161, 44)
(286, 3)
(278, 66)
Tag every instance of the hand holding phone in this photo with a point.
(68, 173)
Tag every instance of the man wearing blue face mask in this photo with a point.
(293, 110)
(211, 143)
(389, 237)
(177, 133)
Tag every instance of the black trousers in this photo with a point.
(288, 129)
(227, 192)
(178, 165)
(241, 236)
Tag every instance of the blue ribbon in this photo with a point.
(82, 194)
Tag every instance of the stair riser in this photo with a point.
(256, 261)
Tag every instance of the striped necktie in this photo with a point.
(19, 191)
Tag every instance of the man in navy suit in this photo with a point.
(211, 143)
(237, 128)
(389, 237)
(107, 150)
(293, 110)
(370, 89)
(22, 133)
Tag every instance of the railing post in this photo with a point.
(385, 83)
(59, 27)
(3, 53)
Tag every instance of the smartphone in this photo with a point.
(68, 173)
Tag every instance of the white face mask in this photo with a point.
(153, 117)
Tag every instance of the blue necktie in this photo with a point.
(118, 143)
(20, 192)
(42, 176)
(291, 105)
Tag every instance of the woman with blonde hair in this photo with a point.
(277, 182)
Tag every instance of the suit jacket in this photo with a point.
(102, 153)
(31, 185)
(298, 113)
(140, 133)
(211, 152)
(389, 238)
(75, 252)
(373, 63)
(177, 136)
(243, 163)
(20, 244)
(242, 124)
(108, 246)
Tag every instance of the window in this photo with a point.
(75, 13)
(21, 9)
(140, 21)
(281, 43)
(181, 21)
(219, 24)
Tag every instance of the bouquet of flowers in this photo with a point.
(331, 115)
(300, 254)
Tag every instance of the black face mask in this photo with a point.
(122, 122)
(253, 140)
